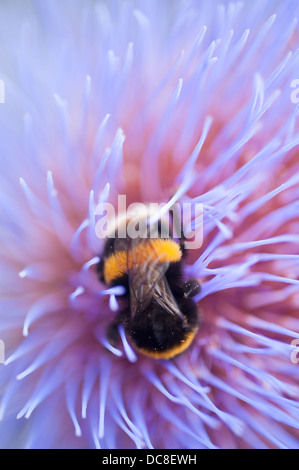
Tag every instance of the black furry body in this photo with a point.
(153, 330)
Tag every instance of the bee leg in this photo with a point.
(112, 332)
(100, 271)
(191, 288)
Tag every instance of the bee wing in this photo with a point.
(148, 281)
(142, 278)
(165, 298)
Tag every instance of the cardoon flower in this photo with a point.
(155, 100)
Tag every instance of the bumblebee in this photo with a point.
(158, 312)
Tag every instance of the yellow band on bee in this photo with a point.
(172, 352)
(117, 264)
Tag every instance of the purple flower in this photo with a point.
(149, 99)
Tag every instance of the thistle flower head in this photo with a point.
(175, 101)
